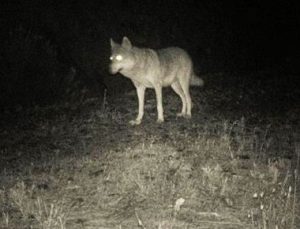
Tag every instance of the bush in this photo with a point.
(30, 71)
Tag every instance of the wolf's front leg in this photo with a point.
(160, 110)
(141, 95)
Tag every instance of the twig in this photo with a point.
(295, 183)
(224, 222)
(140, 223)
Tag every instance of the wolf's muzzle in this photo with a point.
(113, 70)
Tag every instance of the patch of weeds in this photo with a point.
(36, 210)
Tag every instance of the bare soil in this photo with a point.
(235, 164)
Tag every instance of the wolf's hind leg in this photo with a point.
(160, 110)
(177, 88)
(185, 85)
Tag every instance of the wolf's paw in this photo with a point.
(135, 122)
(160, 120)
(188, 116)
(180, 114)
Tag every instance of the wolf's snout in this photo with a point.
(113, 70)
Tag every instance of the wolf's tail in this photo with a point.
(196, 81)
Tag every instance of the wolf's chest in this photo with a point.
(140, 78)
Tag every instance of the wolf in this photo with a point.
(148, 68)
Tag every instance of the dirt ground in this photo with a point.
(235, 164)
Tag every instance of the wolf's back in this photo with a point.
(176, 56)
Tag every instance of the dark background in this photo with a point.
(53, 50)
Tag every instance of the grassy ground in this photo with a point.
(235, 164)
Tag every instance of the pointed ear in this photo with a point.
(112, 43)
(126, 43)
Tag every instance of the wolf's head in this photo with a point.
(122, 57)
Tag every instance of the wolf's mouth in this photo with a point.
(115, 71)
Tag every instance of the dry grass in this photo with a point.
(47, 215)
(215, 173)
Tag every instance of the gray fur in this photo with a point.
(148, 68)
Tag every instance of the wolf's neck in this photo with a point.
(144, 58)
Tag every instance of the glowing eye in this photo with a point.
(111, 58)
(119, 57)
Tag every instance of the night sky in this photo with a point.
(49, 37)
